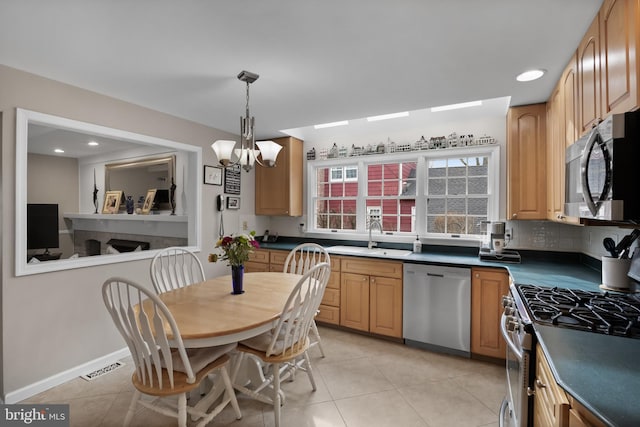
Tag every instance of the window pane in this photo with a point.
(478, 185)
(435, 206)
(437, 187)
(457, 186)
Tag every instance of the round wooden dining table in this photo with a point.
(208, 314)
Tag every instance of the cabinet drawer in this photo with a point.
(328, 314)
(331, 297)
(371, 268)
(259, 256)
(278, 257)
(334, 280)
(335, 263)
(255, 267)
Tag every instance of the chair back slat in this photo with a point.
(174, 268)
(304, 257)
(146, 331)
(293, 325)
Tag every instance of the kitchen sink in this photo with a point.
(363, 251)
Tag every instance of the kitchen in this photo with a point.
(536, 234)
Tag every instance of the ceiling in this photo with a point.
(318, 61)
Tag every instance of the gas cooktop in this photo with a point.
(604, 313)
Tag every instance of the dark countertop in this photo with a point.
(599, 371)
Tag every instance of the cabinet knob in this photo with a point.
(477, 275)
(515, 215)
(560, 216)
(540, 384)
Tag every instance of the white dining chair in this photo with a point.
(283, 349)
(164, 370)
(299, 261)
(174, 268)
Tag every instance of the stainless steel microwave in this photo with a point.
(602, 176)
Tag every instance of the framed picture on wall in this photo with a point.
(112, 202)
(148, 201)
(232, 179)
(233, 202)
(212, 175)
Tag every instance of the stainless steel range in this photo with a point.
(597, 312)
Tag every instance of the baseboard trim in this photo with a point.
(64, 376)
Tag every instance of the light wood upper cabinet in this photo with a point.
(618, 56)
(555, 155)
(526, 164)
(279, 189)
(589, 78)
(488, 286)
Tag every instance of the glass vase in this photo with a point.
(237, 274)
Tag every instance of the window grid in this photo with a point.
(454, 193)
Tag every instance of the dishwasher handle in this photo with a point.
(435, 275)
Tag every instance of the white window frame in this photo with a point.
(421, 158)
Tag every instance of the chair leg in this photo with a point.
(132, 409)
(182, 410)
(276, 393)
(316, 334)
(310, 371)
(231, 392)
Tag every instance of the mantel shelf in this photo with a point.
(154, 225)
(127, 217)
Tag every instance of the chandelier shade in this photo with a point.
(227, 151)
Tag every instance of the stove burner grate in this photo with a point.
(604, 313)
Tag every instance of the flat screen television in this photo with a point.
(42, 226)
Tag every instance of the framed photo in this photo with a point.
(148, 201)
(232, 180)
(212, 175)
(111, 202)
(233, 202)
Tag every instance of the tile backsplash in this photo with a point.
(552, 236)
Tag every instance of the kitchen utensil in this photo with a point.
(610, 246)
(625, 244)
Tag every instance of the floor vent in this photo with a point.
(102, 371)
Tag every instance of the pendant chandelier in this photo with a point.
(227, 152)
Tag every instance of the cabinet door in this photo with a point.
(555, 155)
(569, 88)
(526, 164)
(550, 403)
(278, 190)
(386, 306)
(488, 286)
(589, 78)
(618, 56)
(354, 301)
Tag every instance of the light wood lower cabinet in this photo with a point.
(371, 296)
(550, 403)
(488, 286)
(329, 311)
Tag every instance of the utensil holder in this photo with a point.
(614, 272)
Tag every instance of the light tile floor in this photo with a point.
(362, 382)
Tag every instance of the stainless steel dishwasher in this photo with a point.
(437, 308)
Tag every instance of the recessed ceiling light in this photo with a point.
(530, 75)
(58, 150)
(92, 143)
(332, 124)
(388, 116)
(456, 106)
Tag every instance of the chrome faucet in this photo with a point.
(372, 223)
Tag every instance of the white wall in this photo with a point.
(56, 321)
